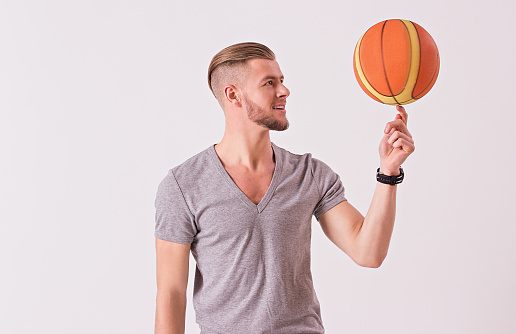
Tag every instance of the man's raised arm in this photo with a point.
(366, 240)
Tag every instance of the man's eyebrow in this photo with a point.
(272, 77)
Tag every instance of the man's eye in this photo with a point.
(269, 82)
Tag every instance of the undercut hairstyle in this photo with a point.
(229, 65)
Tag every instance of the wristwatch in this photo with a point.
(390, 179)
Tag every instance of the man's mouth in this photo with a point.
(279, 107)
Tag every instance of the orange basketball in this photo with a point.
(396, 62)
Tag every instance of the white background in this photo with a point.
(98, 99)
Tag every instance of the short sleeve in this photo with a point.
(174, 220)
(330, 187)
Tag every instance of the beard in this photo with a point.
(260, 117)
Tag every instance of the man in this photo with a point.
(244, 206)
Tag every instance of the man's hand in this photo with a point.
(396, 145)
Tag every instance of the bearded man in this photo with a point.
(243, 208)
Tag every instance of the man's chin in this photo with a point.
(277, 126)
(285, 127)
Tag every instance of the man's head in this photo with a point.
(229, 65)
(246, 75)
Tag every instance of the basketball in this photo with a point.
(396, 62)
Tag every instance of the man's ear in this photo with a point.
(232, 95)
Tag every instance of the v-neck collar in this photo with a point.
(270, 191)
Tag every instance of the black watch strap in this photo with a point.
(390, 179)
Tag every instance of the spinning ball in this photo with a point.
(396, 62)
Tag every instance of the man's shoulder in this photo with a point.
(295, 161)
(192, 167)
(290, 155)
(303, 161)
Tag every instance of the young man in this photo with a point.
(244, 206)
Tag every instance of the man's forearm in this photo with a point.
(170, 313)
(375, 233)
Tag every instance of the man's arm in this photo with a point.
(366, 240)
(172, 261)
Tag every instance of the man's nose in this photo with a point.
(283, 91)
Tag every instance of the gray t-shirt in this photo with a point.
(253, 261)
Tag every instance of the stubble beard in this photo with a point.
(258, 115)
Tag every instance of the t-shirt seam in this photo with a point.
(167, 237)
(183, 196)
(315, 178)
(330, 204)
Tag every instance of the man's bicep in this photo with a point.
(172, 260)
(341, 225)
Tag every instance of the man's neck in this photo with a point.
(252, 152)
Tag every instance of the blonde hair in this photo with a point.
(230, 58)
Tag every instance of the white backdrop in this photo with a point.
(98, 99)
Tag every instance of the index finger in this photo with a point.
(403, 114)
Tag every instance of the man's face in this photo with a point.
(265, 95)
